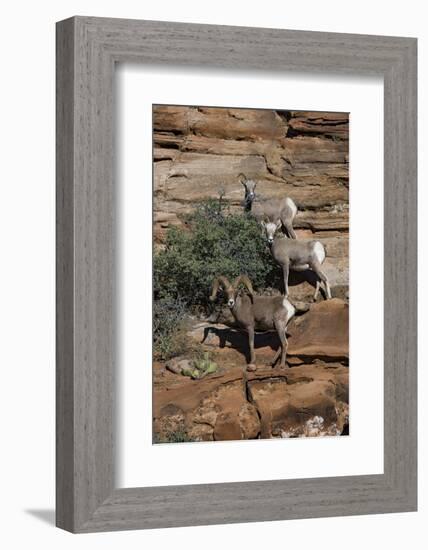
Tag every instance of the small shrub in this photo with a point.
(215, 242)
(169, 327)
(179, 435)
(201, 366)
(205, 365)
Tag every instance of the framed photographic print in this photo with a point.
(236, 274)
(217, 231)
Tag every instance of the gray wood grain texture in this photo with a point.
(87, 49)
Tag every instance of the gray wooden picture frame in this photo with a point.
(87, 50)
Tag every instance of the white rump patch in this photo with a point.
(291, 204)
(319, 252)
(291, 310)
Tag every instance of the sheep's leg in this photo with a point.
(288, 224)
(281, 329)
(316, 266)
(317, 289)
(277, 354)
(286, 271)
(252, 364)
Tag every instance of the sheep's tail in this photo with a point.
(319, 251)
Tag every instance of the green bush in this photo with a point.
(169, 337)
(215, 242)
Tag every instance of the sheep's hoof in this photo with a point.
(251, 367)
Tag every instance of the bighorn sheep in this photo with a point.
(257, 313)
(296, 255)
(271, 209)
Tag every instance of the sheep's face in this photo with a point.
(234, 294)
(250, 190)
(270, 230)
(231, 297)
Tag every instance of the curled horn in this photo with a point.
(264, 221)
(242, 178)
(221, 280)
(243, 279)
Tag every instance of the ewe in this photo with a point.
(296, 255)
(271, 209)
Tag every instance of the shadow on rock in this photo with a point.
(238, 340)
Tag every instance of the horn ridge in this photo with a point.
(243, 279)
(219, 280)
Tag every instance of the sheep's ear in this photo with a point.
(263, 224)
(242, 179)
(278, 224)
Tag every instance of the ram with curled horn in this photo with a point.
(253, 312)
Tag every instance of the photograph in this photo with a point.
(250, 273)
(211, 255)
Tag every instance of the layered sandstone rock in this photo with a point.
(304, 401)
(197, 151)
(215, 408)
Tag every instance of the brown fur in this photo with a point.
(254, 312)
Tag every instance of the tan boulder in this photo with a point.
(215, 408)
(305, 401)
(322, 333)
